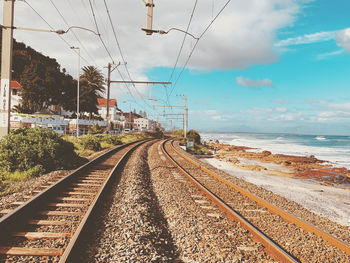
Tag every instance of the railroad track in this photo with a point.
(50, 225)
(285, 237)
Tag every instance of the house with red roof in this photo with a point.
(114, 112)
(15, 88)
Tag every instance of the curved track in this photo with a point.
(50, 225)
(285, 237)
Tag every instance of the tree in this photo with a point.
(92, 87)
(194, 136)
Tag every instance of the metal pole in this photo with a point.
(6, 67)
(186, 118)
(78, 93)
(130, 116)
(108, 94)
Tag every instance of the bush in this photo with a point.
(109, 139)
(194, 136)
(91, 143)
(179, 133)
(36, 151)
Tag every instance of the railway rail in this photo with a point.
(50, 225)
(286, 237)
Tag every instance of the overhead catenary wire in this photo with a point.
(98, 32)
(122, 55)
(76, 37)
(51, 27)
(195, 45)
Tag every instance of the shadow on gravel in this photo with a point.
(154, 215)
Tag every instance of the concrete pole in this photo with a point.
(6, 67)
(108, 94)
(78, 93)
(150, 6)
(186, 118)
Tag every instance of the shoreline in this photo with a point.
(292, 166)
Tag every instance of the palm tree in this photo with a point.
(92, 87)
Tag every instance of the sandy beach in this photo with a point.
(321, 195)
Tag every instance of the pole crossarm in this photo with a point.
(141, 82)
(169, 106)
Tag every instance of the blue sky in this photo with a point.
(263, 65)
(306, 89)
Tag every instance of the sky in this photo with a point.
(279, 66)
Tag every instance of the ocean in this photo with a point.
(333, 149)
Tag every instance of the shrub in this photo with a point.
(109, 139)
(91, 143)
(194, 136)
(179, 133)
(36, 151)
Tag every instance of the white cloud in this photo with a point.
(307, 39)
(341, 106)
(329, 54)
(282, 101)
(247, 82)
(243, 34)
(281, 109)
(343, 39)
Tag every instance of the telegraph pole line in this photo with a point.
(6, 67)
(185, 114)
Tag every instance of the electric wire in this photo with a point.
(76, 37)
(98, 31)
(122, 56)
(51, 27)
(183, 41)
(195, 45)
(181, 48)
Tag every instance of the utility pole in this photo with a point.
(185, 114)
(6, 67)
(108, 93)
(186, 118)
(149, 6)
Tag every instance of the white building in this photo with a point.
(144, 124)
(114, 112)
(53, 122)
(15, 98)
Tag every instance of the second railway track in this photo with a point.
(290, 241)
(49, 225)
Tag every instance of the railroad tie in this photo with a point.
(48, 222)
(66, 205)
(26, 251)
(40, 235)
(60, 213)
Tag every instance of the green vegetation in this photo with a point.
(194, 136)
(199, 150)
(45, 83)
(27, 152)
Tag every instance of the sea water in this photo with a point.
(333, 149)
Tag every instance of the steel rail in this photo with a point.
(19, 217)
(270, 246)
(344, 246)
(68, 255)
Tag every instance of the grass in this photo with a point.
(11, 178)
(8, 180)
(199, 149)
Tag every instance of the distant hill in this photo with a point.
(43, 82)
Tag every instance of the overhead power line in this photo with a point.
(98, 31)
(195, 45)
(122, 55)
(67, 43)
(76, 37)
